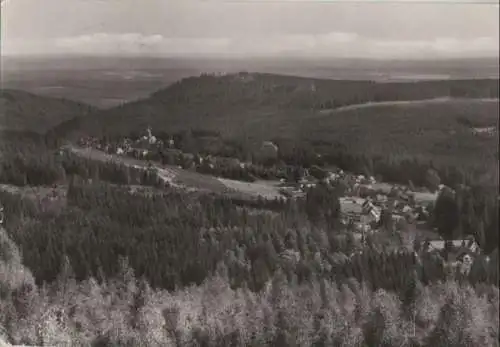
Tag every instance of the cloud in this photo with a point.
(333, 44)
(103, 43)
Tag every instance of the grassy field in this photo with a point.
(190, 180)
(265, 189)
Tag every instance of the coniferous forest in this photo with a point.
(114, 256)
(160, 266)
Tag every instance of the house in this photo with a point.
(460, 246)
(396, 217)
(381, 198)
(307, 185)
(149, 138)
(360, 179)
(374, 214)
(351, 205)
(382, 188)
(371, 210)
(333, 176)
(406, 209)
(352, 217)
(367, 189)
(404, 196)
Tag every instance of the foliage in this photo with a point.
(23, 111)
(126, 311)
(162, 266)
(259, 107)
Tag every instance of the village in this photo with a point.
(365, 202)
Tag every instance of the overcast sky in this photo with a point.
(249, 28)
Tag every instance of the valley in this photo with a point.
(219, 185)
(249, 173)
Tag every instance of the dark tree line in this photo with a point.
(102, 223)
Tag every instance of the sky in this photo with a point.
(246, 28)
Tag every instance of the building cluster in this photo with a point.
(363, 204)
(149, 147)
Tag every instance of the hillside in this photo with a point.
(442, 129)
(23, 111)
(100, 247)
(433, 119)
(259, 105)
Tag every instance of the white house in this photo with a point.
(371, 210)
(470, 245)
(407, 209)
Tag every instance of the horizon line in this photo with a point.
(238, 57)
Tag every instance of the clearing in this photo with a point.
(189, 180)
(422, 102)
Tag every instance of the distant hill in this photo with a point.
(23, 111)
(106, 82)
(259, 105)
(432, 121)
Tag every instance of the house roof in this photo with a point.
(350, 206)
(439, 244)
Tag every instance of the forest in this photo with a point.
(261, 105)
(118, 258)
(174, 267)
(304, 117)
(24, 111)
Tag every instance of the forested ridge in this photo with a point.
(119, 258)
(296, 114)
(225, 103)
(23, 111)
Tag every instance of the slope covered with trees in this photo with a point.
(23, 111)
(111, 265)
(257, 104)
(73, 282)
(307, 114)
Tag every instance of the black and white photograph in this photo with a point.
(249, 173)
